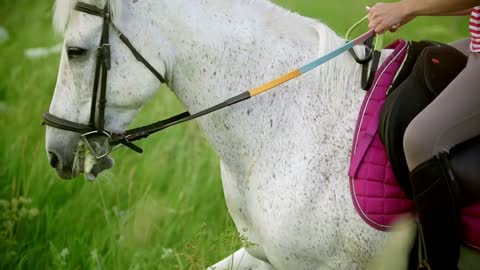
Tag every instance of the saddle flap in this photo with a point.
(375, 191)
(436, 66)
(464, 161)
(367, 124)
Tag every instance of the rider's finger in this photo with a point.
(373, 23)
(394, 28)
(380, 29)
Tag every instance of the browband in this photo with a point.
(90, 9)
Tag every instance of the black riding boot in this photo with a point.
(436, 197)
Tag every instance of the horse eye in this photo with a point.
(74, 52)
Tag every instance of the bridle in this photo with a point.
(96, 123)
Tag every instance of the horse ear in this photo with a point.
(116, 9)
(63, 9)
(61, 15)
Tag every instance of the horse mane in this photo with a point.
(63, 10)
(293, 24)
(276, 15)
(283, 20)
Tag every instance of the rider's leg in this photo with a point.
(438, 212)
(453, 117)
(462, 45)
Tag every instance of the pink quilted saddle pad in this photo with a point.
(376, 195)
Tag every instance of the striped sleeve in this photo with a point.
(474, 28)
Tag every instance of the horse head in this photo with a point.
(101, 84)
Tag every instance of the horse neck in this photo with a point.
(223, 48)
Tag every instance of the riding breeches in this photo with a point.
(453, 117)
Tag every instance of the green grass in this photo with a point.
(160, 210)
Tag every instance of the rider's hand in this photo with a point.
(388, 16)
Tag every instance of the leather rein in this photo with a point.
(96, 123)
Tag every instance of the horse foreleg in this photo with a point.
(394, 254)
(241, 260)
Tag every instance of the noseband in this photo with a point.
(96, 123)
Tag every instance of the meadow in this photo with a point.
(160, 210)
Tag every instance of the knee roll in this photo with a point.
(461, 166)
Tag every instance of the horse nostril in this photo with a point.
(53, 159)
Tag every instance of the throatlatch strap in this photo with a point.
(137, 55)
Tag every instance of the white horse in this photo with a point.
(284, 154)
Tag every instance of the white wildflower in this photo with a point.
(4, 36)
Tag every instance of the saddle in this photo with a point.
(437, 65)
(428, 69)
(409, 79)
